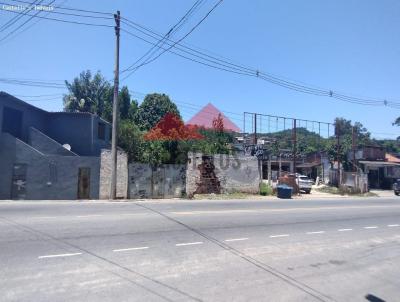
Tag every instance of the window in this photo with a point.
(101, 131)
(12, 122)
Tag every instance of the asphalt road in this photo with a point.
(319, 250)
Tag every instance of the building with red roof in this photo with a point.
(204, 118)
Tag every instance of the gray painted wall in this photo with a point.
(237, 173)
(31, 116)
(46, 145)
(7, 159)
(80, 130)
(48, 177)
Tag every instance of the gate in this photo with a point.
(84, 183)
(161, 181)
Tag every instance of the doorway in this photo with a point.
(18, 189)
(84, 183)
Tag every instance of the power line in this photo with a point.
(171, 31)
(176, 42)
(32, 25)
(21, 25)
(69, 8)
(53, 19)
(15, 19)
(224, 65)
(36, 83)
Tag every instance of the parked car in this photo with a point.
(396, 187)
(305, 183)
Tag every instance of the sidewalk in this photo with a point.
(384, 193)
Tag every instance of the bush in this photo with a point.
(265, 189)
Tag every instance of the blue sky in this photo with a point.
(343, 45)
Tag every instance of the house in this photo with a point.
(204, 118)
(50, 155)
(382, 168)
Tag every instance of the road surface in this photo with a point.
(295, 250)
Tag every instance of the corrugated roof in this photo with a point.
(391, 158)
(204, 118)
(378, 163)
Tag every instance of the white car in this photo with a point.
(304, 183)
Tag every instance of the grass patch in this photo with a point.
(344, 191)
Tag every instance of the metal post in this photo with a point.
(113, 187)
(338, 154)
(269, 169)
(294, 145)
(353, 141)
(255, 128)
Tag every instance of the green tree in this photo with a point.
(130, 138)
(152, 109)
(87, 93)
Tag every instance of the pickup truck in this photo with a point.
(396, 187)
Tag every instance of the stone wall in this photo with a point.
(222, 173)
(162, 181)
(105, 174)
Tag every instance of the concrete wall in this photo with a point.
(46, 145)
(105, 174)
(48, 177)
(163, 181)
(7, 159)
(79, 130)
(238, 173)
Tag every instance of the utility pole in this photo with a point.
(353, 143)
(113, 187)
(338, 153)
(255, 128)
(294, 145)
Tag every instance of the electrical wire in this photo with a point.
(69, 8)
(53, 19)
(171, 31)
(15, 19)
(21, 25)
(176, 42)
(225, 65)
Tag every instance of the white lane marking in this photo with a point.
(257, 211)
(236, 239)
(392, 225)
(344, 230)
(85, 216)
(371, 227)
(59, 255)
(316, 232)
(46, 217)
(132, 249)
(189, 243)
(278, 236)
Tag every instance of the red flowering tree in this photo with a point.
(172, 128)
(218, 123)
